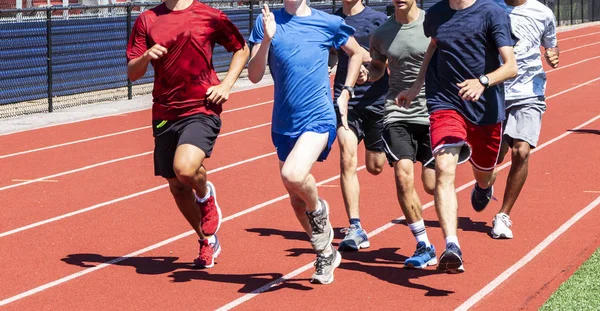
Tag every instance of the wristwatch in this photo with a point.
(484, 80)
(349, 89)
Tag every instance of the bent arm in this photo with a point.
(136, 68)
(238, 61)
(508, 69)
(258, 61)
(355, 52)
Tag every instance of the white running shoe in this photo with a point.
(501, 227)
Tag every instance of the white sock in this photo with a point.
(452, 239)
(202, 200)
(418, 230)
(211, 239)
(319, 209)
(328, 251)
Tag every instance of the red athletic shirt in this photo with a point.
(182, 76)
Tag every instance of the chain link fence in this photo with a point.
(59, 54)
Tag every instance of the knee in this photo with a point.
(520, 152)
(186, 172)
(292, 178)
(374, 169)
(404, 179)
(445, 172)
(348, 160)
(429, 186)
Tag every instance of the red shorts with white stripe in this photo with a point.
(480, 143)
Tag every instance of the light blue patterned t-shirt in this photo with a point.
(534, 24)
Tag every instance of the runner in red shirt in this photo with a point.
(178, 37)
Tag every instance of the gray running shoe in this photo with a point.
(322, 231)
(355, 239)
(324, 267)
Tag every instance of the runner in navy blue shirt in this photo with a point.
(465, 98)
(295, 41)
(365, 120)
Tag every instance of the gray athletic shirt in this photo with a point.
(404, 47)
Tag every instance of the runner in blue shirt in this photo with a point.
(295, 41)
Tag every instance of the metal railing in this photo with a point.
(61, 56)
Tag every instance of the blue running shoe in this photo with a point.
(480, 198)
(424, 256)
(451, 259)
(355, 239)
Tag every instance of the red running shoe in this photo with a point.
(210, 212)
(207, 254)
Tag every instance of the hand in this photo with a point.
(155, 52)
(363, 75)
(470, 89)
(551, 57)
(269, 25)
(405, 98)
(342, 103)
(218, 94)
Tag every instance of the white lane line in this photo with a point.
(127, 197)
(579, 47)
(573, 64)
(527, 258)
(113, 161)
(580, 36)
(72, 142)
(147, 249)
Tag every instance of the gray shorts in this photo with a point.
(524, 121)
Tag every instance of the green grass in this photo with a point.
(581, 291)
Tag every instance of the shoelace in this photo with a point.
(317, 223)
(420, 251)
(321, 262)
(506, 220)
(206, 251)
(350, 231)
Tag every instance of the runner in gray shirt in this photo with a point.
(401, 42)
(535, 26)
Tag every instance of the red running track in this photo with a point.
(97, 231)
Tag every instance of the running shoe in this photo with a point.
(210, 212)
(355, 239)
(424, 256)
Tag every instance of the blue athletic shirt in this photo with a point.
(366, 94)
(298, 59)
(467, 47)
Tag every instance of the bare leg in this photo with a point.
(295, 173)
(446, 204)
(348, 178)
(405, 190)
(191, 175)
(517, 175)
(375, 161)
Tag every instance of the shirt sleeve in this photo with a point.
(344, 32)
(427, 26)
(375, 49)
(228, 35)
(258, 33)
(501, 31)
(137, 44)
(549, 36)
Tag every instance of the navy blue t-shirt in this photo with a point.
(366, 94)
(467, 47)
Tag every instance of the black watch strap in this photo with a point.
(349, 89)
